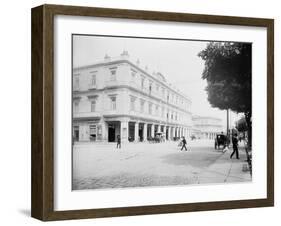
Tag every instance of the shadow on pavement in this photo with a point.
(196, 157)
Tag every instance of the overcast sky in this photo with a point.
(177, 60)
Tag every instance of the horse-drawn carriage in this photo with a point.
(220, 141)
(159, 137)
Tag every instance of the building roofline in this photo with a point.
(205, 117)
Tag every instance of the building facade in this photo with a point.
(118, 97)
(206, 127)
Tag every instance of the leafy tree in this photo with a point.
(242, 125)
(228, 72)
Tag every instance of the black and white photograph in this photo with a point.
(152, 112)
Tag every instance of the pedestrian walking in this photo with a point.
(118, 142)
(235, 146)
(183, 144)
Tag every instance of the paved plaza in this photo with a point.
(101, 166)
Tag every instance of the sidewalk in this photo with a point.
(225, 169)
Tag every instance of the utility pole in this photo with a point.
(227, 127)
(227, 122)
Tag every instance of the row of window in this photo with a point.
(93, 78)
(93, 102)
(169, 114)
(113, 99)
(153, 87)
(167, 95)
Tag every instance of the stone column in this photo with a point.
(174, 132)
(144, 132)
(124, 130)
(136, 132)
(81, 132)
(180, 132)
(152, 130)
(159, 128)
(104, 131)
(169, 128)
(84, 132)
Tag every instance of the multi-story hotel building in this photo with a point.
(205, 127)
(119, 97)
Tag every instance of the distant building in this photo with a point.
(119, 97)
(206, 127)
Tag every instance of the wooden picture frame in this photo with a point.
(43, 107)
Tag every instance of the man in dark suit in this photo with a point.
(183, 143)
(235, 146)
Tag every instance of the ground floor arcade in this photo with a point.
(205, 135)
(129, 130)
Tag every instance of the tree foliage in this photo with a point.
(242, 125)
(228, 71)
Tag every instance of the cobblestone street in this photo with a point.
(100, 166)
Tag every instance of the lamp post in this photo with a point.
(227, 122)
(227, 127)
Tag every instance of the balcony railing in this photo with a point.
(86, 115)
(91, 86)
(115, 83)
